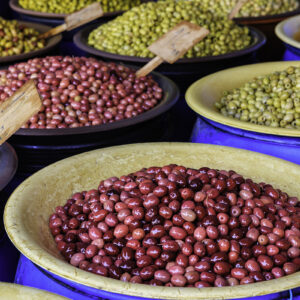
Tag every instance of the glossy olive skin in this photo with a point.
(181, 227)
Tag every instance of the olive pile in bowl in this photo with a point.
(16, 38)
(182, 227)
(131, 33)
(79, 91)
(253, 8)
(271, 100)
(67, 7)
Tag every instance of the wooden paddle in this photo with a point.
(87, 14)
(173, 45)
(236, 9)
(17, 109)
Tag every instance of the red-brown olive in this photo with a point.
(181, 227)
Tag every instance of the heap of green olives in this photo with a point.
(131, 33)
(252, 8)
(70, 6)
(271, 100)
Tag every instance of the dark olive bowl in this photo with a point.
(37, 148)
(170, 96)
(8, 164)
(51, 43)
(81, 41)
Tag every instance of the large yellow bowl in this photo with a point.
(204, 93)
(28, 209)
(20, 292)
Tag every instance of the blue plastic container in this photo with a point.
(210, 132)
(289, 55)
(31, 275)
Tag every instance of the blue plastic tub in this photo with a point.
(31, 275)
(289, 54)
(210, 132)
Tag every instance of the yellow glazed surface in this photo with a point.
(202, 95)
(20, 292)
(286, 30)
(28, 209)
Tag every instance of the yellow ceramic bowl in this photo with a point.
(28, 209)
(286, 30)
(20, 292)
(203, 94)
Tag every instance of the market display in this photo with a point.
(68, 7)
(16, 39)
(270, 100)
(177, 226)
(169, 226)
(131, 33)
(79, 91)
(253, 8)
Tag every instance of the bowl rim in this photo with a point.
(168, 100)
(50, 43)
(279, 31)
(80, 40)
(197, 105)
(15, 6)
(16, 290)
(16, 231)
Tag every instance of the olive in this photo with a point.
(131, 33)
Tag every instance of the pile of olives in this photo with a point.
(271, 100)
(253, 8)
(17, 39)
(70, 6)
(131, 33)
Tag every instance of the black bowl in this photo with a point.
(274, 49)
(37, 148)
(81, 41)
(8, 164)
(186, 70)
(170, 96)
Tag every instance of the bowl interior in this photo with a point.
(289, 31)
(28, 209)
(202, 95)
(292, 26)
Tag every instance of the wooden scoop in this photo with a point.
(87, 14)
(173, 45)
(17, 109)
(236, 9)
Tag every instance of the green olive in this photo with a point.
(278, 108)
